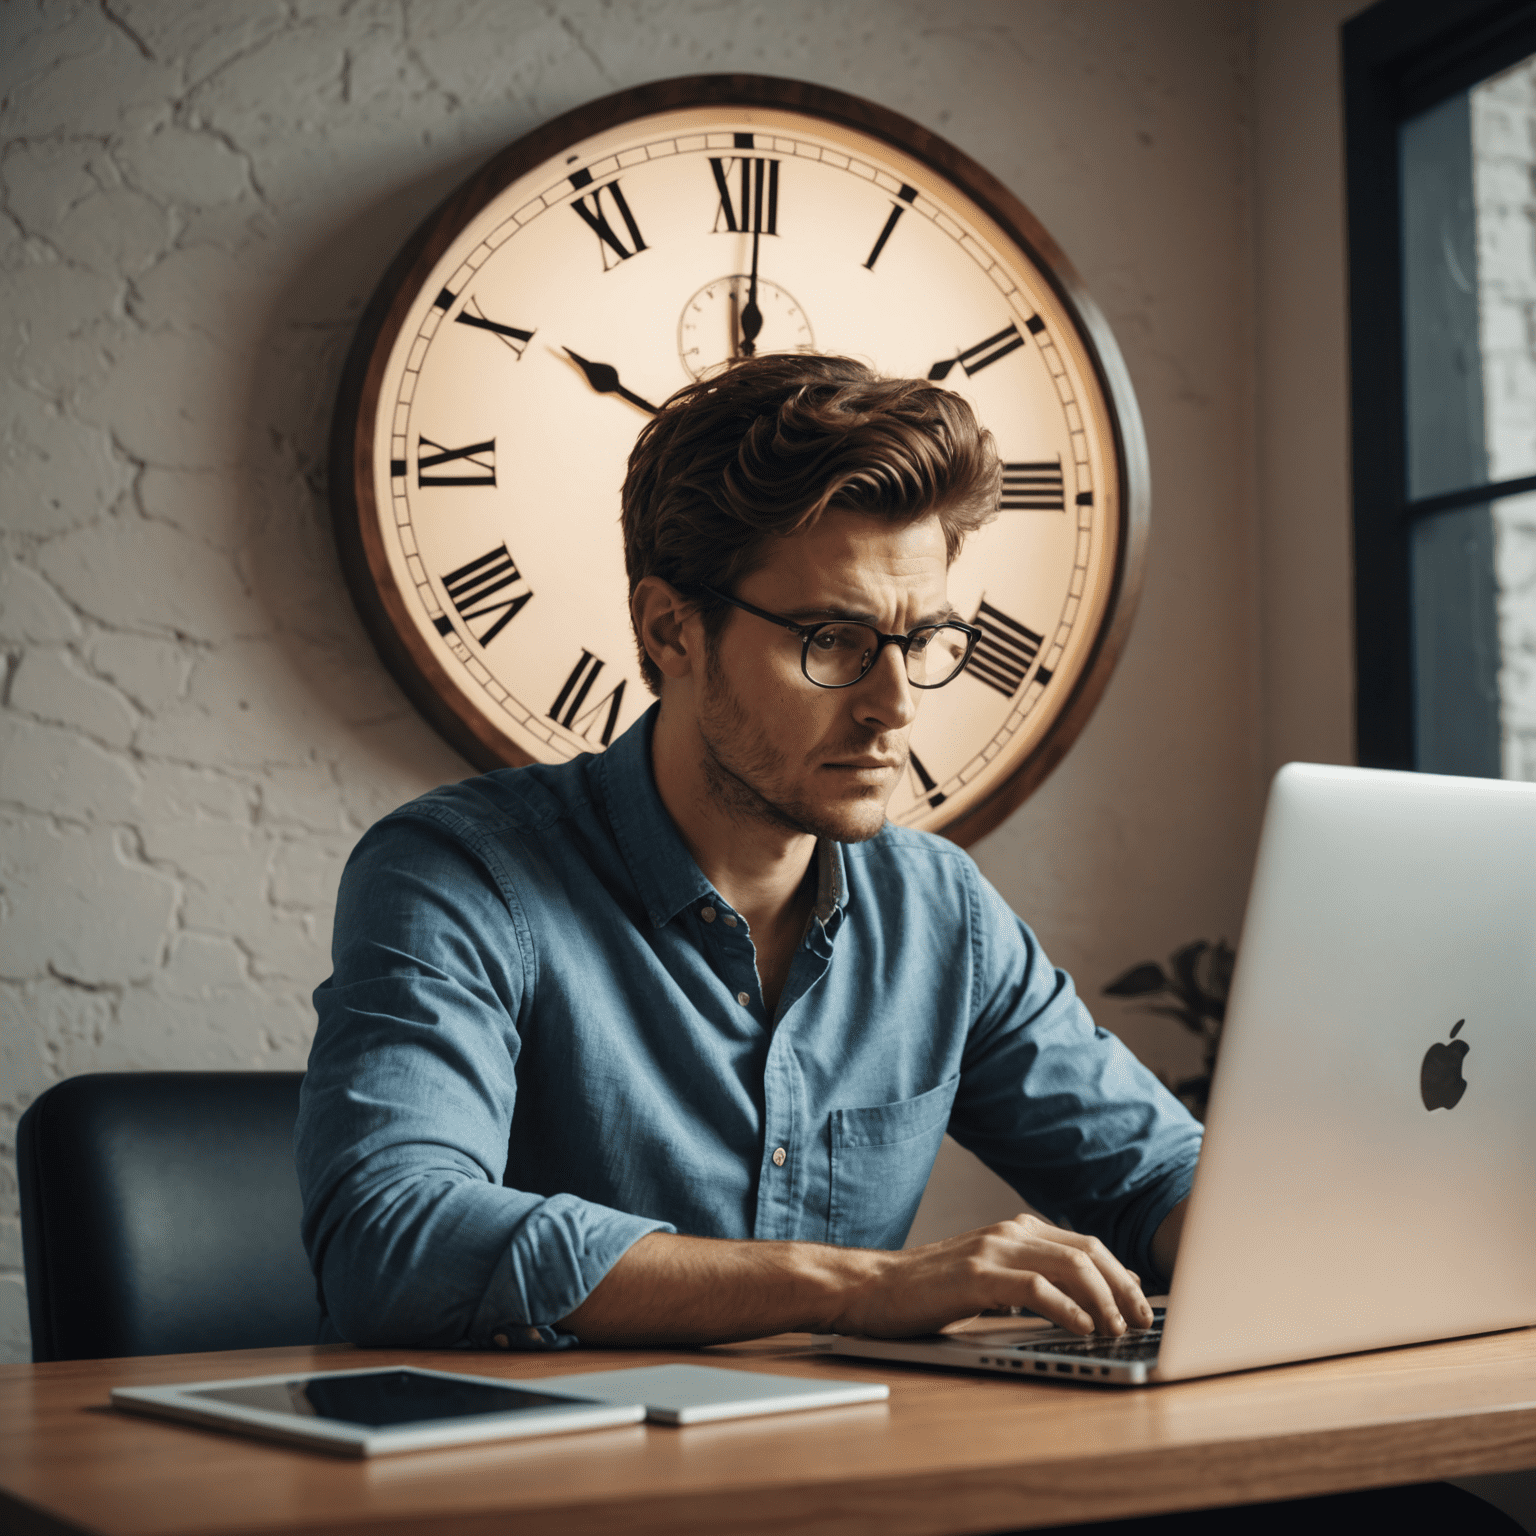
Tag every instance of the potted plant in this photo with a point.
(1193, 990)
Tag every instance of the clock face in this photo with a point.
(549, 308)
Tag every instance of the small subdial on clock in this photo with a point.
(710, 333)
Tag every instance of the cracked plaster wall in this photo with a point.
(195, 201)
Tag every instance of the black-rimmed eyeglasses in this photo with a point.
(836, 653)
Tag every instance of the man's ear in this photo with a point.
(668, 625)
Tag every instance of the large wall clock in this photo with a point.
(520, 340)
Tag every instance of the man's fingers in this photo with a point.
(1066, 1270)
(1049, 1301)
(1072, 1270)
(1085, 1270)
(1123, 1283)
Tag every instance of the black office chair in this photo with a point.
(160, 1215)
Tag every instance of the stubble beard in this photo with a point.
(744, 771)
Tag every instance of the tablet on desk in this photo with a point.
(374, 1411)
(703, 1394)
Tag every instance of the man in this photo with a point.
(661, 1045)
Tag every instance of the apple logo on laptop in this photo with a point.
(1440, 1079)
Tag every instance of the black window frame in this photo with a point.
(1400, 58)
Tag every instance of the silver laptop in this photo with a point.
(1369, 1172)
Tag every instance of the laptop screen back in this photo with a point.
(1351, 1194)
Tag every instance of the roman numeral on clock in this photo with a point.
(1005, 653)
(1033, 486)
(567, 708)
(756, 208)
(596, 219)
(927, 788)
(508, 335)
(907, 195)
(471, 588)
(479, 457)
(982, 355)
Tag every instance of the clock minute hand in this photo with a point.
(751, 316)
(604, 378)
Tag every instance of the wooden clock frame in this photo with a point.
(364, 562)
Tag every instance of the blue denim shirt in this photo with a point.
(544, 1037)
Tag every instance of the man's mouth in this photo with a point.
(868, 764)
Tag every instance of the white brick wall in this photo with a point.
(196, 200)
(1504, 181)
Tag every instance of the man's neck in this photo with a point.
(758, 866)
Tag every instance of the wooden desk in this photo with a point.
(948, 1453)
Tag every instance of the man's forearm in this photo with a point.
(700, 1290)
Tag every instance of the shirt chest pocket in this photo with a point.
(881, 1159)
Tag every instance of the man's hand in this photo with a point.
(692, 1290)
(1074, 1281)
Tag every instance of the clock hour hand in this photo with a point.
(604, 378)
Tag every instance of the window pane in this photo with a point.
(1456, 644)
(1514, 531)
(1504, 187)
(1443, 354)
(1469, 294)
(1474, 633)
(1469, 285)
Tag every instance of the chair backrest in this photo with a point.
(160, 1215)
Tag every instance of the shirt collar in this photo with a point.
(659, 862)
(831, 887)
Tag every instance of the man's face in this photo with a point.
(780, 749)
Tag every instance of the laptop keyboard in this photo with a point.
(1135, 1344)
(1142, 1344)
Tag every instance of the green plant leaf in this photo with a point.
(1183, 963)
(1223, 960)
(1205, 995)
(1140, 981)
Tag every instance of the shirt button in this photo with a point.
(779, 1154)
(743, 999)
(708, 914)
(500, 1340)
(730, 922)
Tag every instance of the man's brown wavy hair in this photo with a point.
(761, 451)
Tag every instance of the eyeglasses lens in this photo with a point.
(840, 654)
(936, 655)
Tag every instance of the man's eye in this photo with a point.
(841, 637)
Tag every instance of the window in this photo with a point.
(1440, 107)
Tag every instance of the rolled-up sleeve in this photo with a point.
(1059, 1107)
(403, 1126)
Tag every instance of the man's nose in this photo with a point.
(884, 695)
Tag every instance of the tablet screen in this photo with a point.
(379, 1398)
